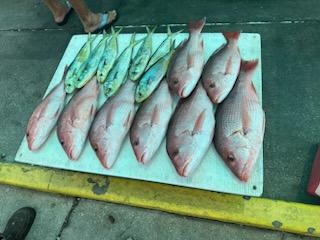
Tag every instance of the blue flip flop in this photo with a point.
(104, 24)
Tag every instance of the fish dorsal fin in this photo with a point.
(155, 116)
(228, 66)
(199, 123)
(127, 121)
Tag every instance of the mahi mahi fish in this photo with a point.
(240, 124)
(222, 69)
(118, 73)
(140, 61)
(150, 123)
(76, 119)
(109, 56)
(152, 78)
(89, 68)
(76, 64)
(112, 123)
(45, 116)
(187, 63)
(191, 131)
(163, 49)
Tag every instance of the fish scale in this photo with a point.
(190, 131)
(151, 122)
(240, 124)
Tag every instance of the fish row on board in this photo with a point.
(218, 104)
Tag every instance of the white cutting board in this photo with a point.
(212, 174)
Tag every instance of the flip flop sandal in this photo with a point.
(66, 17)
(104, 22)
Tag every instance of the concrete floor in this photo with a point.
(32, 45)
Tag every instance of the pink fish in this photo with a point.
(222, 69)
(76, 119)
(112, 123)
(240, 124)
(187, 62)
(191, 131)
(150, 123)
(45, 116)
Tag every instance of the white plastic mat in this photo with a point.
(212, 174)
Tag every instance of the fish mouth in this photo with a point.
(184, 92)
(72, 154)
(218, 98)
(245, 172)
(142, 158)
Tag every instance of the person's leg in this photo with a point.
(58, 10)
(91, 21)
(19, 224)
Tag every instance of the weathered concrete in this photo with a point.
(95, 221)
(51, 210)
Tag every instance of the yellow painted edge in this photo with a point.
(259, 212)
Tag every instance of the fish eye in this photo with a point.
(175, 81)
(61, 142)
(27, 134)
(176, 152)
(136, 142)
(212, 85)
(231, 158)
(95, 149)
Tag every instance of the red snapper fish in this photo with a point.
(150, 123)
(76, 119)
(187, 62)
(222, 69)
(45, 116)
(240, 124)
(112, 124)
(191, 131)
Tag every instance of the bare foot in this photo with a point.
(94, 21)
(60, 13)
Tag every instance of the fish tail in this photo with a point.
(249, 65)
(169, 31)
(196, 26)
(118, 32)
(133, 36)
(154, 29)
(230, 36)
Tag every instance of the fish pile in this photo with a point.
(218, 105)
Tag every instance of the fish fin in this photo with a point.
(112, 30)
(253, 88)
(169, 31)
(56, 114)
(190, 61)
(127, 121)
(196, 26)
(250, 65)
(155, 117)
(92, 110)
(109, 118)
(148, 30)
(228, 66)
(133, 36)
(201, 44)
(229, 36)
(154, 29)
(119, 31)
(199, 123)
